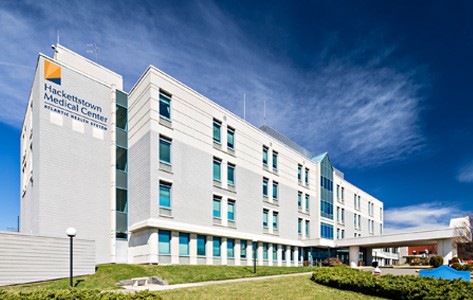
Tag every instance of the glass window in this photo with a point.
(343, 216)
(164, 150)
(299, 226)
(122, 200)
(165, 106)
(275, 190)
(164, 242)
(306, 176)
(343, 233)
(307, 202)
(355, 221)
(343, 193)
(122, 161)
(216, 207)
(265, 218)
(275, 160)
(243, 249)
(275, 252)
(326, 231)
(265, 187)
(231, 174)
(217, 131)
(164, 194)
(299, 200)
(292, 253)
(231, 138)
(359, 221)
(265, 155)
(201, 241)
(231, 210)
(230, 248)
(121, 115)
(283, 252)
(338, 233)
(307, 226)
(338, 191)
(183, 243)
(299, 173)
(265, 251)
(217, 169)
(217, 242)
(275, 220)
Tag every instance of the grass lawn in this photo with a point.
(107, 276)
(298, 287)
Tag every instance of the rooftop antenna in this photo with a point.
(57, 37)
(94, 50)
(244, 106)
(264, 111)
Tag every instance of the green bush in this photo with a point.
(460, 267)
(72, 294)
(436, 261)
(393, 287)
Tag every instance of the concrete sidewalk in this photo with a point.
(194, 284)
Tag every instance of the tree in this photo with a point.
(463, 232)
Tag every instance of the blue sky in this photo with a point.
(384, 87)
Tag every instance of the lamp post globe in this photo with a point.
(71, 232)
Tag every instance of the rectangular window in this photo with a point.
(299, 226)
(265, 155)
(231, 210)
(183, 243)
(243, 249)
(164, 150)
(307, 227)
(121, 117)
(275, 252)
(231, 174)
(338, 233)
(122, 159)
(230, 138)
(230, 248)
(381, 213)
(299, 173)
(217, 125)
(217, 169)
(355, 221)
(343, 216)
(275, 220)
(284, 248)
(216, 243)
(275, 190)
(265, 251)
(359, 202)
(343, 194)
(338, 191)
(307, 203)
(265, 218)
(369, 208)
(164, 242)
(359, 221)
(165, 105)
(164, 194)
(354, 202)
(201, 241)
(380, 228)
(343, 233)
(299, 200)
(292, 253)
(121, 200)
(326, 231)
(275, 160)
(338, 214)
(265, 187)
(306, 176)
(216, 207)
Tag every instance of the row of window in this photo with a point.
(370, 208)
(340, 233)
(357, 221)
(340, 215)
(217, 171)
(371, 226)
(340, 193)
(300, 221)
(217, 134)
(326, 231)
(357, 201)
(299, 201)
(275, 189)
(299, 175)
(217, 208)
(266, 158)
(266, 219)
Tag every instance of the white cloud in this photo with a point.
(465, 174)
(425, 216)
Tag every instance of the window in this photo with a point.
(338, 191)
(299, 173)
(217, 242)
(275, 160)
(164, 194)
(338, 214)
(243, 249)
(265, 218)
(265, 155)
(217, 125)
(306, 176)
(381, 213)
(231, 174)
(359, 221)
(230, 138)
(217, 169)
(307, 203)
(231, 210)
(201, 241)
(343, 216)
(338, 233)
(299, 200)
(265, 187)
(183, 243)
(265, 251)
(216, 207)
(326, 231)
(122, 161)
(121, 200)
(343, 234)
(369, 208)
(275, 190)
(165, 105)
(355, 221)
(121, 117)
(275, 220)
(164, 150)
(275, 252)
(230, 248)
(380, 228)
(164, 242)
(343, 194)
(359, 202)
(299, 226)
(307, 226)
(283, 252)
(354, 202)
(292, 253)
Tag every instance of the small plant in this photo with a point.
(332, 262)
(436, 261)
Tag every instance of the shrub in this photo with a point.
(393, 287)
(332, 262)
(72, 294)
(436, 261)
(460, 267)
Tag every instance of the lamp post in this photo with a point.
(255, 248)
(71, 232)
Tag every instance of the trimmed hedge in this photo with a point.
(72, 294)
(436, 261)
(393, 287)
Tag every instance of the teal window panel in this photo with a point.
(231, 138)
(217, 207)
(201, 242)
(217, 131)
(230, 248)
(231, 174)
(164, 242)
(165, 150)
(231, 211)
(165, 106)
(165, 195)
(183, 243)
(216, 246)
(121, 98)
(121, 117)
(217, 169)
(122, 138)
(121, 159)
(243, 245)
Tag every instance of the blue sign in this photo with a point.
(445, 272)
